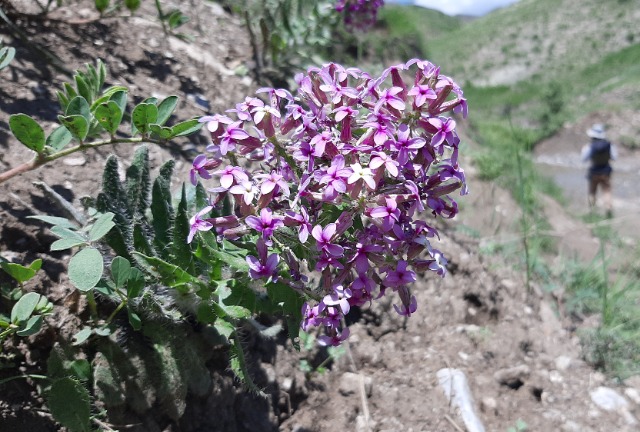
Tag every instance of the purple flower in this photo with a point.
(198, 224)
(231, 174)
(247, 189)
(302, 220)
(339, 297)
(334, 178)
(264, 224)
(323, 240)
(389, 163)
(199, 164)
(409, 302)
(263, 266)
(271, 181)
(389, 214)
(444, 130)
(360, 173)
(405, 145)
(400, 276)
(335, 338)
(422, 93)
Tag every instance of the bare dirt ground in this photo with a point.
(517, 349)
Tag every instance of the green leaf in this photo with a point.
(161, 132)
(135, 284)
(66, 233)
(27, 131)
(85, 269)
(170, 274)
(31, 327)
(182, 251)
(143, 116)
(237, 312)
(224, 328)
(81, 336)
(132, 5)
(59, 138)
(120, 271)
(79, 106)
(23, 309)
(76, 124)
(176, 19)
(54, 220)
(68, 401)
(165, 109)
(101, 226)
(134, 319)
(6, 55)
(186, 128)
(234, 261)
(102, 5)
(138, 182)
(120, 97)
(81, 369)
(18, 272)
(109, 115)
(66, 243)
(162, 210)
(205, 313)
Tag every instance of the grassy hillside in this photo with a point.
(417, 26)
(538, 38)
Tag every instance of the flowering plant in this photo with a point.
(359, 14)
(332, 185)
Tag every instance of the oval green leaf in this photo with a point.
(31, 327)
(143, 116)
(109, 116)
(120, 271)
(24, 308)
(76, 124)
(165, 109)
(59, 138)
(85, 269)
(101, 226)
(79, 106)
(17, 271)
(186, 128)
(81, 336)
(6, 55)
(27, 131)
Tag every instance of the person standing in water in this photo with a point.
(599, 153)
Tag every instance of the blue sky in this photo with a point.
(457, 7)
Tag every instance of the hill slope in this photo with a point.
(537, 37)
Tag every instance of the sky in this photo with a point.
(457, 7)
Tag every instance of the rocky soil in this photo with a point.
(516, 346)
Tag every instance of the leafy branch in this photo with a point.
(88, 115)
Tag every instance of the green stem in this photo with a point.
(42, 159)
(605, 288)
(6, 380)
(114, 313)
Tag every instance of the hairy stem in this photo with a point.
(42, 159)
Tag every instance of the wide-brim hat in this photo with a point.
(597, 131)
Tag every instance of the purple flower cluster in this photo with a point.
(348, 170)
(359, 14)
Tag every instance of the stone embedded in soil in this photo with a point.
(610, 400)
(456, 388)
(74, 161)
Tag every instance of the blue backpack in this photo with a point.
(600, 152)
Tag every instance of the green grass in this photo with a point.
(417, 24)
